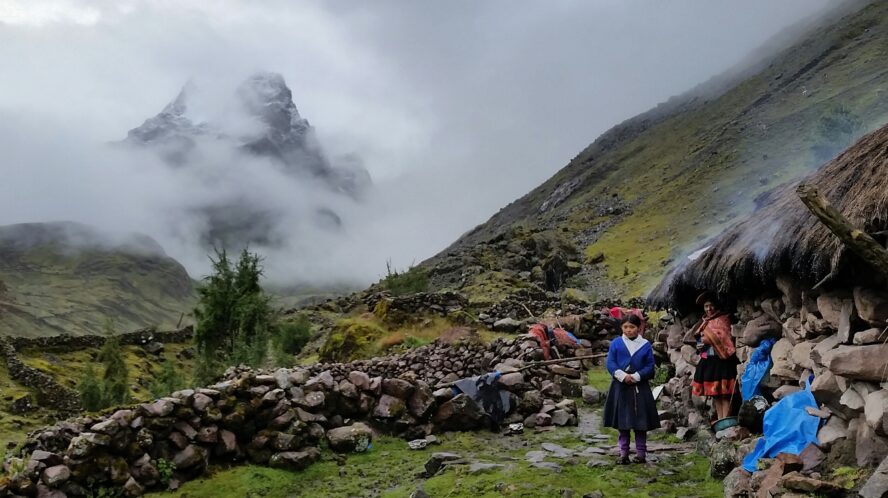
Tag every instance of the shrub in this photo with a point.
(412, 281)
(90, 390)
(115, 381)
(292, 336)
(168, 381)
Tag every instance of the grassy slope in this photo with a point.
(50, 289)
(689, 174)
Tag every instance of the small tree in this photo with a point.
(234, 315)
(292, 336)
(115, 381)
(90, 390)
(169, 380)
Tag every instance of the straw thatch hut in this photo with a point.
(783, 239)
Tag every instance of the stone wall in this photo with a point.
(839, 336)
(277, 418)
(138, 337)
(50, 393)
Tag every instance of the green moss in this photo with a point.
(351, 338)
(491, 287)
(575, 296)
(68, 367)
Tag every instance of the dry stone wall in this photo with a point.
(277, 418)
(838, 336)
(50, 393)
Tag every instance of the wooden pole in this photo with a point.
(855, 239)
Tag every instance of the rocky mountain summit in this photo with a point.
(260, 121)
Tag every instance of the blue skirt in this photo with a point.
(631, 407)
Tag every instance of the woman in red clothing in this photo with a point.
(716, 374)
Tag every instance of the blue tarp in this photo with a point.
(756, 370)
(788, 428)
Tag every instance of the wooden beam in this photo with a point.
(864, 246)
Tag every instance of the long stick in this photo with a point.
(855, 239)
(542, 364)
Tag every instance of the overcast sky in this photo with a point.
(457, 107)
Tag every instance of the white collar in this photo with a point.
(633, 345)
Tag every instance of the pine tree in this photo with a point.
(115, 381)
(234, 315)
(90, 390)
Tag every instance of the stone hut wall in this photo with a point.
(839, 336)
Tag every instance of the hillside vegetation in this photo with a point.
(63, 278)
(654, 188)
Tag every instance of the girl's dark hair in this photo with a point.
(633, 319)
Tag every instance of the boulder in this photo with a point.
(294, 460)
(834, 429)
(360, 379)
(399, 388)
(437, 461)
(830, 306)
(821, 348)
(876, 411)
(421, 401)
(871, 448)
(459, 413)
(56, 475)
(389, 407)
(192, 456)
(852, 400)
(201, 402)
(870, 336)
(154, 347)
(825, 388)
(859, 362)
(722, 459)
(513, 381)
(506, 325)
(760, 328)
(872, 305)
(795, 481)
(877, 485)
(132, 488)
(83, 445)
(801, 355)
(352, 438)
(736, 484)
(591, 395)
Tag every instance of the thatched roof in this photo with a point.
(783, 238)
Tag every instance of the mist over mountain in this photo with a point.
(259, 120)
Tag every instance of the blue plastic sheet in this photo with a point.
(758, 366)
(788, 428)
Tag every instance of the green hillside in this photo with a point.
(653, 188)
(65, 278)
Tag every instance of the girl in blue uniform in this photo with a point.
(630, 403)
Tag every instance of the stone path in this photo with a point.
(597, 449)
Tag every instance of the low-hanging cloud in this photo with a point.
(456, 108)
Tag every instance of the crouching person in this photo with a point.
(630, 403)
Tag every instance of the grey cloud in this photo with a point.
(456, 107)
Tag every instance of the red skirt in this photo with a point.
(715, 376)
